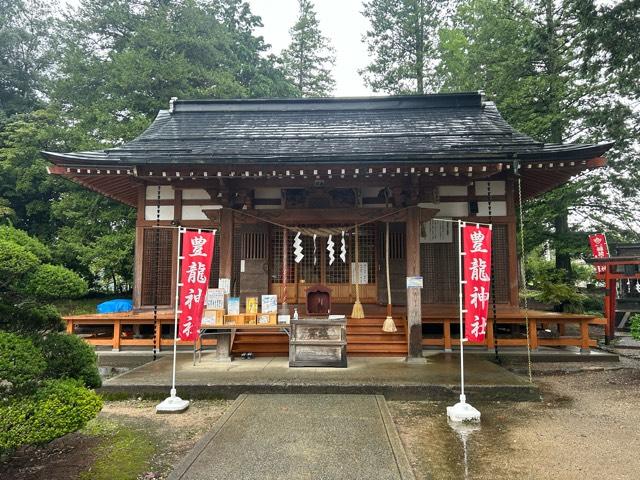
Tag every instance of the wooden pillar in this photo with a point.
(447, 335)
(414, 300)
(226, 243)
(138, 257)
(584, 336)
(116, 335)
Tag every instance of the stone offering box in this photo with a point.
(318, 342)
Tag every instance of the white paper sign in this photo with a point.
(415, 282)
(233, 305)
(361, 275)
(269, 303)
(225, 284)
(284, 319)
(215, 298)
(209, 319)
(242, 264)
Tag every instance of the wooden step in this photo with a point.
(364, 338)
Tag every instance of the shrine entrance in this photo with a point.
(317, 269)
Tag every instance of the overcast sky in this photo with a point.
(340, 21)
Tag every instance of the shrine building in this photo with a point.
(260, 170)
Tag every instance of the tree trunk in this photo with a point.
(420, 48)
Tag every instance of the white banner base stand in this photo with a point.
(463, 412)
(172, 404)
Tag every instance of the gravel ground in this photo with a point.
(586, 427)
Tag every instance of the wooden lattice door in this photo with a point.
(254, 260)
(397, 264)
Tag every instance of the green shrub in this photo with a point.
(21, 364)
(55, 281)
(68, 356)
(22, 238)
(15, 262)
(57, 408)
(635, 326)
(29, 317)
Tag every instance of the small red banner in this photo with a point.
(197, 253)
(477, 275)
(599, 248)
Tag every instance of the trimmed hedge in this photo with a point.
(22, 238)
(55, 281)
(68, 356)
(57, 408)
(15, 262)
(21, 363)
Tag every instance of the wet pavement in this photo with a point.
(394, 378)
(300, 437)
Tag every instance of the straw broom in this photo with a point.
(389, 325)
(357, 311)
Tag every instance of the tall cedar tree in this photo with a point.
(119, 62)
(27, 47)
(402, 42)
(309, 59)
(544, 64)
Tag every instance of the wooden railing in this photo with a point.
(117, 321)
(535, 319)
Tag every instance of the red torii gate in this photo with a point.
(610, 277)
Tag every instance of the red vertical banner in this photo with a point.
(477, 275)
(197, 253)
(599, 248)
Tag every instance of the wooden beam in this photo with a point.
(294, 216)
(226, 241)
(414, 303)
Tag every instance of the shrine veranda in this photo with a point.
(259, 171)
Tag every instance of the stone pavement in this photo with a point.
(315, 437)
(438, 379)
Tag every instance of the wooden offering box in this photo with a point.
(240, 319)
(318, 342)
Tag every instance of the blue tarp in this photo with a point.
(115, 306)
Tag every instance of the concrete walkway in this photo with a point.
(300, 437)
(438, 379)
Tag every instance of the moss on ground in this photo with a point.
(122, 454)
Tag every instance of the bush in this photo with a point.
(21, 364)
(30, 317)
(22, 238)
(68, 356)
(635, 326)
(15, 262)
(55, 281)
(58, 408)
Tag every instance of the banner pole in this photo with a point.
(174, 404)
(175, 312)
(460, 310)
(462, 411)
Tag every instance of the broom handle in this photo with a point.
(387, 271)
(358, 267)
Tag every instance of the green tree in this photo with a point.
(27, 52)
(309, 58)
(402, 42)
(123, 61)
(536, 60)
(26, 279)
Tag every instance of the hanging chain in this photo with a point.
(156, 282)
(493, 283)
(525, 292)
